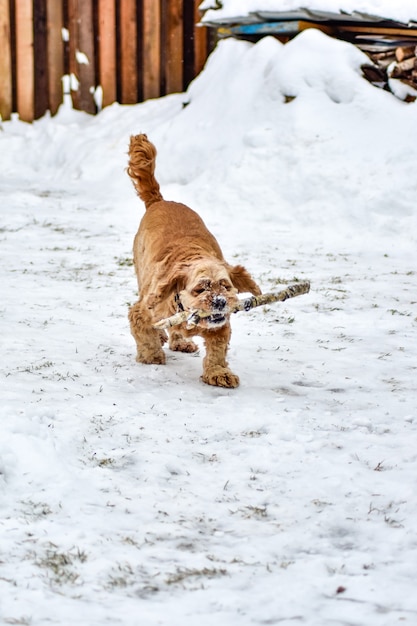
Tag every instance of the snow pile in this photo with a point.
(128, 492)
(401, 10)
(292, 109)
(302, 111)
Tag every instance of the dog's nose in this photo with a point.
(219, 303)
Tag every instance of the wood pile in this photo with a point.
(392, 51)
(399, 63)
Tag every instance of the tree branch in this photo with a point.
(193, 317)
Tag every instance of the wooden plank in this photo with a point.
(5, 62)
(200, 41)
(25, 75)
(107, 50)
(151, 49)
(40, 53)
(174, 46)
(379, 30)
(55, 23)
(128, 52)
(81, 48)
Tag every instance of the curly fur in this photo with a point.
(174, 253)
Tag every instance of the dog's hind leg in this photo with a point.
(179, 343)
(148, 340)
(215, 367)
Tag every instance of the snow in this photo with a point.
(401, 10)
(133, 494)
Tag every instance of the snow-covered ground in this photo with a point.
(133, 494)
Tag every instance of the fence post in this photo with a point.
(25, 75)
(5, 62)
(174, 46)
(40, 53)
(55, 23)
(151, 49)
(107, 50)
(200, 41)
(128, 52)
(82, 53)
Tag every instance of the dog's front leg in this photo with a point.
(148, 340)
(215, 367)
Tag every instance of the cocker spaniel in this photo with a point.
(179, 265)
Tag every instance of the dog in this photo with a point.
(179, 266)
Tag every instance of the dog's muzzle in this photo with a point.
(218, 317)
(219, 303)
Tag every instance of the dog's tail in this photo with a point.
(142, 155)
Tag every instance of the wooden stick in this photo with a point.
(193, 317)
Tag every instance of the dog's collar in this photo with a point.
(178, 302)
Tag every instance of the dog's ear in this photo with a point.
(173, 282)
(242, 280)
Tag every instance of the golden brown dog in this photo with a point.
(179, 264)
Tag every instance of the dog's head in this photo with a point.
(212, 286)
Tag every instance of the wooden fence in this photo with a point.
(133, 49)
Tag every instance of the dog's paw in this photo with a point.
(155, 358)
(183, 345)
(221, 377)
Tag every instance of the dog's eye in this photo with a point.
(199, 291)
